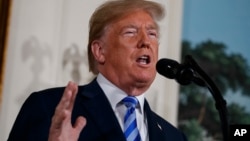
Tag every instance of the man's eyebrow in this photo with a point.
(152, 27)
(148, 27)
(130, 26)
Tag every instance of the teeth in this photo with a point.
(143, 59)
(144, 62)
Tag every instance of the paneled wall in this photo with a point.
(47, 47)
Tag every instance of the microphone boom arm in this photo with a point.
(220, 103)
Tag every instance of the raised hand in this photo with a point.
(61, 128)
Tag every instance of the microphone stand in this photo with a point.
(220, 103)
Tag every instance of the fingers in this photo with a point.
(61, 127)
(68, 98)
(64, 108)
(71, 90)
(80, 123)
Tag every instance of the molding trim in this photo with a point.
(5, 6)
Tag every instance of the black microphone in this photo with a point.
(182, 73)
(167, 68)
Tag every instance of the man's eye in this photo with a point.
(153, 34)
(130, 33)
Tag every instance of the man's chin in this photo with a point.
(144, 82)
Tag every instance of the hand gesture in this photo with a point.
(61, 128)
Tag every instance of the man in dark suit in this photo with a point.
(123, 51)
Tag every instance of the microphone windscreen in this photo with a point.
(167, 68)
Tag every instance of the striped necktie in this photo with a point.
(131, 131)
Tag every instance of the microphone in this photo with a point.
(184, 74)
(188, 72)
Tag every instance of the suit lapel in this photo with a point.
(101, 112)
(154, 127)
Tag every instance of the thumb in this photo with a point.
(80, 123)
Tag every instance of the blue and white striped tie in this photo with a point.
(131, 131)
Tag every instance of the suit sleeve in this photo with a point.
(33, 121)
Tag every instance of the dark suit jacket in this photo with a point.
(34, 119)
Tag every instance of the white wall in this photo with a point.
(46, 33)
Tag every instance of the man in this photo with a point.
(123, 51)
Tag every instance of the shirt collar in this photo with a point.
(115, 94)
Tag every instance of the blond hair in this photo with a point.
(111, 11)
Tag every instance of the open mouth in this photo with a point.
(144, 59)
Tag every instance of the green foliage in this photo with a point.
(193, 129)
(237, 114)
(220, 66)
(229, 72)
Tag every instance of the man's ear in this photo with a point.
(98, 51)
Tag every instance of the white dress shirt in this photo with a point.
(115, 95)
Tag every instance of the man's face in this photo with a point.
(130, 51)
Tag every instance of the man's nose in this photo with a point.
(144, 41)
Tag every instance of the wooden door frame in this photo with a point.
(4, 22)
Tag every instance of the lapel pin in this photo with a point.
(159, 126)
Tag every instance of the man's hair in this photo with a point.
(111, 11)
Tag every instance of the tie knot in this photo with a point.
(130, 101)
